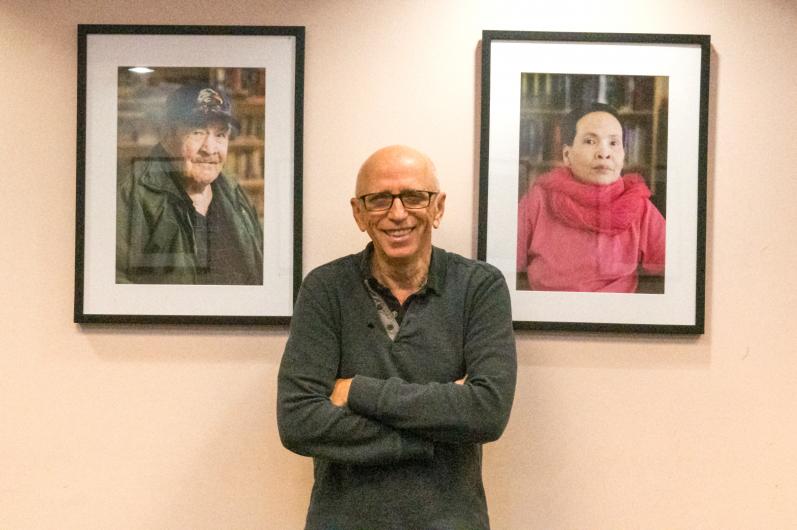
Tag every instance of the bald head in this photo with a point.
(396, 160)
(402, 236)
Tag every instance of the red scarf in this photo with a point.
(608, 209)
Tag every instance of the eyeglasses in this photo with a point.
(410, 199)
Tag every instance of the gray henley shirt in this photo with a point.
(406, 451)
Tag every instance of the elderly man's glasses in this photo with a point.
(410, 199)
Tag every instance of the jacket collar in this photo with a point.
(157, 172)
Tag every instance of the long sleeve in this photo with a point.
(475, 412)
(524, 232)
(652, 240)
(309, 424)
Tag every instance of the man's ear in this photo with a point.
(440, 208)
(358, 212)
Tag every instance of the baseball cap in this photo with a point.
(199, 104)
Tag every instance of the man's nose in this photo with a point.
(604, 151)
(209, 145)
(397, 210)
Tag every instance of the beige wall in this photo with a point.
(156, 427)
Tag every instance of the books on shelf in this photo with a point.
(241, 81)
(563, 92)
(246, 164)
(251, 126)
(547, 98)
(541, 139)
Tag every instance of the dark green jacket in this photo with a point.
(155, 225)
(406, 452)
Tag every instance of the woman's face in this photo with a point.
(597, 154)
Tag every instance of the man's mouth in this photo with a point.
(398, 232)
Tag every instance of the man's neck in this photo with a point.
(402, 278)
(201, 197)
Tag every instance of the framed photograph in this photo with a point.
(593, 178)
(189, 174)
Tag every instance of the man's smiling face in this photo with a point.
(401, 236)
(202, 151)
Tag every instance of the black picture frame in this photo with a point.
(528, 77)
(260, 69)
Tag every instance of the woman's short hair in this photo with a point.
(570, 121)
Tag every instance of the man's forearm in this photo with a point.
(310, 425)
(442, 412)
(340, 392)
(473, 412)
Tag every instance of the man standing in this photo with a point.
(179, 219)
(399, 365)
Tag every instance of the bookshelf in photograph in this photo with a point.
(142, 100)
(641, 101)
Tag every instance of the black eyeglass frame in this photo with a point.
(394, 196)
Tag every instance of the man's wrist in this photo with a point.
(364, 395)
(340, 392)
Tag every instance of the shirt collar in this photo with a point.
(434, 281)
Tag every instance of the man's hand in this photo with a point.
(340, 394)
(461, 381)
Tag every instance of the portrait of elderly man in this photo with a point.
(400, 364)
(180, 219)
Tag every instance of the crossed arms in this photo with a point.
(362, 419)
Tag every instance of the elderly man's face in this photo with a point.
(596, 156)
(203, 150)
(400, 235)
